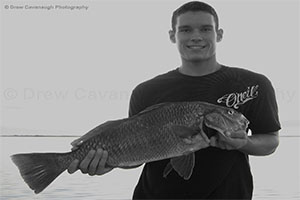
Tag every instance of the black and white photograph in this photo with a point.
(150, 99)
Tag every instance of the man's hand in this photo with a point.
(92, 164)
(230, 141)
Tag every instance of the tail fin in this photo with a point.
(40, 169)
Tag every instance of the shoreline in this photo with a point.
(80, 135)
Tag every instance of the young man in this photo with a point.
(222, 170)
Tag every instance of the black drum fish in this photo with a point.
(163, 131)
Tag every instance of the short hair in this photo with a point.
(194, 6)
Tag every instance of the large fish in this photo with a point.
(162, 131)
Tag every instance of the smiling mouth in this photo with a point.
(196, 47)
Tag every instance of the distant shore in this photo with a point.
(80, 135)
(39, 135)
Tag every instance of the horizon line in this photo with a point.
(25, 135)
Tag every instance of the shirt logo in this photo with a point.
(236, 99)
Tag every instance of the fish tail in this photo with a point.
(40, 169)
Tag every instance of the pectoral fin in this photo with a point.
(184, 132)
(167, 170)
(183, 165)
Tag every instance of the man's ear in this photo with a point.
(220, 35)
(172, 36)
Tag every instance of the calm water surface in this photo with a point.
(275, 177)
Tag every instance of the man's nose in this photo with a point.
(196, 36)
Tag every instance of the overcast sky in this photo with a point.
(65, 69)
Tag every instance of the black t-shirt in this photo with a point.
(218, 174)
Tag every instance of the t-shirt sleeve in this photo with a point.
(135, 103)
(264, 110)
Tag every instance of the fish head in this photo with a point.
(223, 119)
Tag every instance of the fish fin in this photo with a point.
(167, 170)
(130, 167)
(153, 107)
(40, 169)
(184, 165)
(209, 132)
(212, 131)
(184, 132)
(96, 131)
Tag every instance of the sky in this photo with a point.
(68, 66)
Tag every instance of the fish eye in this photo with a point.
(230, 112)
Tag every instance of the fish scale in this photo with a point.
(146, 128)
(164, 131)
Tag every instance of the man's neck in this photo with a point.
(199, 68)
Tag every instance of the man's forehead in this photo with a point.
(197, 18)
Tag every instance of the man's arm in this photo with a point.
(257, 144)
(261, 144)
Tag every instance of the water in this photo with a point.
(118, 184)
(278, 176)
(275, 176)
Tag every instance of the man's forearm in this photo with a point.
(261, 144)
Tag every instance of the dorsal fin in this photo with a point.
(96, 131)
(153, 107)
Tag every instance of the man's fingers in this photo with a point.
(216, 141)
(86, 161)
(73, 166)
(104, 159)
(204, 136)
(213, 141)
(94, 164)
(101, 167)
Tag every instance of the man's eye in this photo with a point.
(206, 29)
(185, 30)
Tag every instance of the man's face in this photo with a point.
(196, 36)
